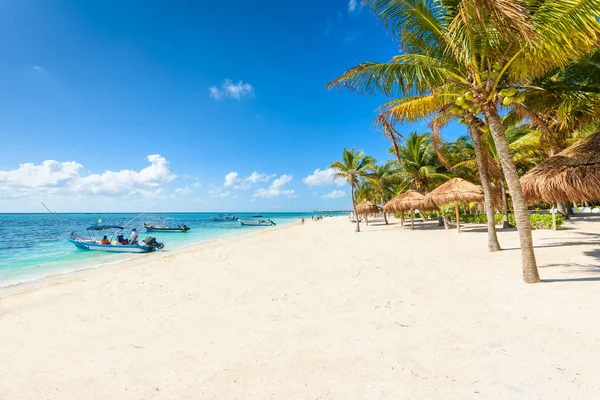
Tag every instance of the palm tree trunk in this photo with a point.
(402, 218)
(354, 207)
(529, 265)
(562, 208)
(457, 217)
(384, 214)
(412, 220)
(505, 223)
(569, 208)
(482, 164)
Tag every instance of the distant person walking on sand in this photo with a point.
(303, 220)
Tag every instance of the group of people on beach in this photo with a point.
(121, 239)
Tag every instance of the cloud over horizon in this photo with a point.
(231, 90)
(335, 194)
(238, 183)
(324, 177)
(67, 178)
(276, 188)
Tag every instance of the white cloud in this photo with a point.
(54, 177)
(233, 179)
(38, 68)
(323, 178)
(335, 194)
(218, 192)
(234, 197)
(231, 90)
(230, 179)
(182, 191)
(352, 5)
(276, 188)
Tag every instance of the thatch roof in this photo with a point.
(389, 206)
(456, 190)
(408, 200)
(573, 174)
(366, 207)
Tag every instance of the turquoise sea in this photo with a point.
(35, 246)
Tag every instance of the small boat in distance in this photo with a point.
(165, 225)
(257, 215)
(224, 218)
(115, 241)
(262, 222)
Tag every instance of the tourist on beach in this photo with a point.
(303, 220)
(134, 236)
(105, 240)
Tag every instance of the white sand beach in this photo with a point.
(317, 312)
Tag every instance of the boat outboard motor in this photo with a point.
(152, 243)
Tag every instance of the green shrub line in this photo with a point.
(538, 221)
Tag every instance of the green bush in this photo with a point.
(538, 221)
(544, 221)
(426, 214)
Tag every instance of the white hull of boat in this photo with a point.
(255, 223)
(110, 248)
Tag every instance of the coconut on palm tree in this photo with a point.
(477, 54)
(353, 166)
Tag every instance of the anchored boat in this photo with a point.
(112, 241)
(165, 225)
(261, 222)
(225, 218)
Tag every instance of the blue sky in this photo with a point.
(136, 105)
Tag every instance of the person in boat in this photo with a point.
(134, 236)
(105, 240)
(122, 240)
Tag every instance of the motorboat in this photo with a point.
(165, 225)
(262, 222)
(224, 218)
(115, 241)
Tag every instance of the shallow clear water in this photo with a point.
(34, 245)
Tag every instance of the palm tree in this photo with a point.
(477, 54)
(354, 165)
(419, 163)
(380, 181)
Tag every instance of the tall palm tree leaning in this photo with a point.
(354, 165)
(479, 55)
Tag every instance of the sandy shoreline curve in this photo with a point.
(60, 277)
(317, 311)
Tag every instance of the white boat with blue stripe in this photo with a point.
(262, 222)
(113, 241)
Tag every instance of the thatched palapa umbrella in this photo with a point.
(409, 201)
(456, 191)
(573, 174)
(366, 207)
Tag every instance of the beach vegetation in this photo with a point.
(471, 60)
(353, 166)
